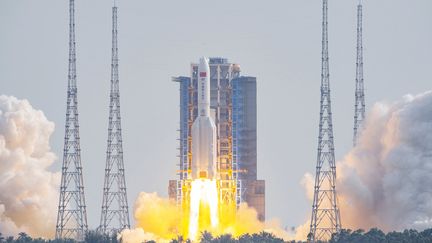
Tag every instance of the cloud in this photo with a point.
(29, 191)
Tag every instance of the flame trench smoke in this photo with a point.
(385, 180)
(28, 190)
(161, 220)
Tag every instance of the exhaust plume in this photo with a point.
(29, 191)
(160, 219)
(385, 180)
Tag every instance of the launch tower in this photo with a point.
(72, 216)
(115, 211)
(233, 108)
(359, 114)
(325, 213)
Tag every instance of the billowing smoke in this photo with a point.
(160, 219)
(138, 235)
(386, 180)
(28, 190)
(156, 218)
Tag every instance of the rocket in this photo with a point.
(204, 129)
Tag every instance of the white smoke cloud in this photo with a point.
(386, 180)
(28, 190)
(137, 235)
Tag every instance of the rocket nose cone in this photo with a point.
(203, 61)
(204, 67)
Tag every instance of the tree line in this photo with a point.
(344, 236)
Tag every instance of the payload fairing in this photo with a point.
(204, 141)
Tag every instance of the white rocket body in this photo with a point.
(204, 154)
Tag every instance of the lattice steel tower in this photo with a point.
(115, 211)
(359, 114)
(325, 213)
(72, 216)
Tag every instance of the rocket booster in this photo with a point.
(204, 129)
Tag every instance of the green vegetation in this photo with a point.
(260, 237)
(345, 236)
(377, 236)
(91, 237)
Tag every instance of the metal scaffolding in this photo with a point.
(222, 73)
(72, 216)
(325, 218)
(359, 114)
(115, 210)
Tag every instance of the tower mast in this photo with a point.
(359, 114)
(115, 210)
(325, 218)
(72, 216)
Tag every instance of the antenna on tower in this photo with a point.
(359, 113)
(115, 210)
(72, 216)
(325, 218)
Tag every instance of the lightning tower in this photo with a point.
(359, 114)
(325, 218)
(115, 211)
(72, 216)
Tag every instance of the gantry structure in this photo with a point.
(233, 108)
(325, 219)
(221, 74)
(115, 210)
(72, 216)
(359, 109)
